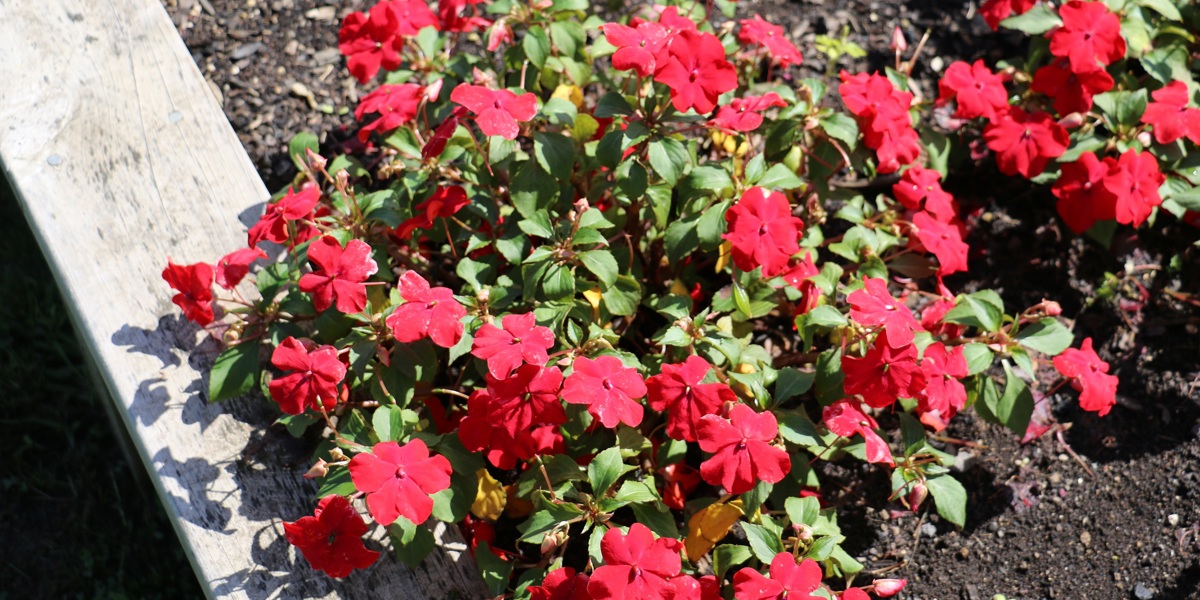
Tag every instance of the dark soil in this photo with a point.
(1040, 525)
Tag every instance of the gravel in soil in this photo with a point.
(1112, 510)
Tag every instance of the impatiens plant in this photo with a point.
(608, 295)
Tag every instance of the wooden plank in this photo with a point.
(121, 157)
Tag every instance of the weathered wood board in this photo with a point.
(121, 157)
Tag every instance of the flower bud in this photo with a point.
(317, 470)
(1052, 308)
(803, 532)
(341, 178)
(1144, 138)
(1072, 120)
(917, 495)
(888, 587)
(317, 161)
(337, 455)
(899, 42)
(500, 33)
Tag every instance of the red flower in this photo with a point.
(846, 418)
(399, 480)
(874, 305)
(396, 105)
(944, 395)
(530, 396)
(932, 313)
(679, 392)
(500, 33)
(339, 274)
(1090, 33)
(763, 231)
(480, 433)
(233, 267)
(1089, 375)
(695, 69)
(373, 40)
(745, 114)
(194, 283)
(636, 565)
(672, 20)
(331, 539)
(742, 454)
(977, 91)
(679, 480)
(444, 202)
(788, 580)
(496, 111)
(637, 47)
(1082, 197)
(314, 378)
(427, 311)
(756, 31)
(437, 142)
(916, 183)
(272, 226)
(1072, 92)
(1171, 116)
(1135, 181)
(520, 341)
(450, 13)
(882, 114)
(944, 240)
(1025, 142)
(884, 374)
(994, 11)
(562, 584)
(704, 588)
(608, 388)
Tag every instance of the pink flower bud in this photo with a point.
(899, 42)
(1052, 308)
(917, 495)
(1072, 120)
(317, 470)
(316, 160)
(1144, 138)
(500, 33)
(433, 90)
(888, 587)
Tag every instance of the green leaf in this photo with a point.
(791, 382)
(1162, 7)
(841, 127)
(707, 177)
(797, 428)
(602, 264)
(822, 548)
(559, 282)
(1015, 406)
(1047, 336)
(763, 543)
(1036, 21)
(780, 177)
(605, 469)
(612, 104)
(299, 144)
(951, 498)
(912, 433)
(623, 297)
(532, 189)
(235, 372)
(669, 158)
(494, 570)
(411, 542)
(537, 46)
(555, 153)
(727, 556)
(983, 309)
(1125, 108)
(803, 510)
(1168, 63)
(636, 491)
(393, 423)
(978, 356)
(453, 503)
(657, 517)
(742, 300)
(829, 382)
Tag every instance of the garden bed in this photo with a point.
(1040, 525)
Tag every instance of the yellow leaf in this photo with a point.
(709, 526)
(570, 93)
(490, 499)
(678, 288)
(723, 258)
(593, 296)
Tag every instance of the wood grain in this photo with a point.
(121, 157)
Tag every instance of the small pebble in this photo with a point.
(1173, 519)
(1142, 592)
(928, 530)
(1085, 538)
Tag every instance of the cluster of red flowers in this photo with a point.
(882, 114)
(374, 39)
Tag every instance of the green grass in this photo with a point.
(79, 521)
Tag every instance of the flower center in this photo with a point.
(400, 473)
(607, 384)
(741, 445)
(634, 573)
(694, 75)
(496, 104)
